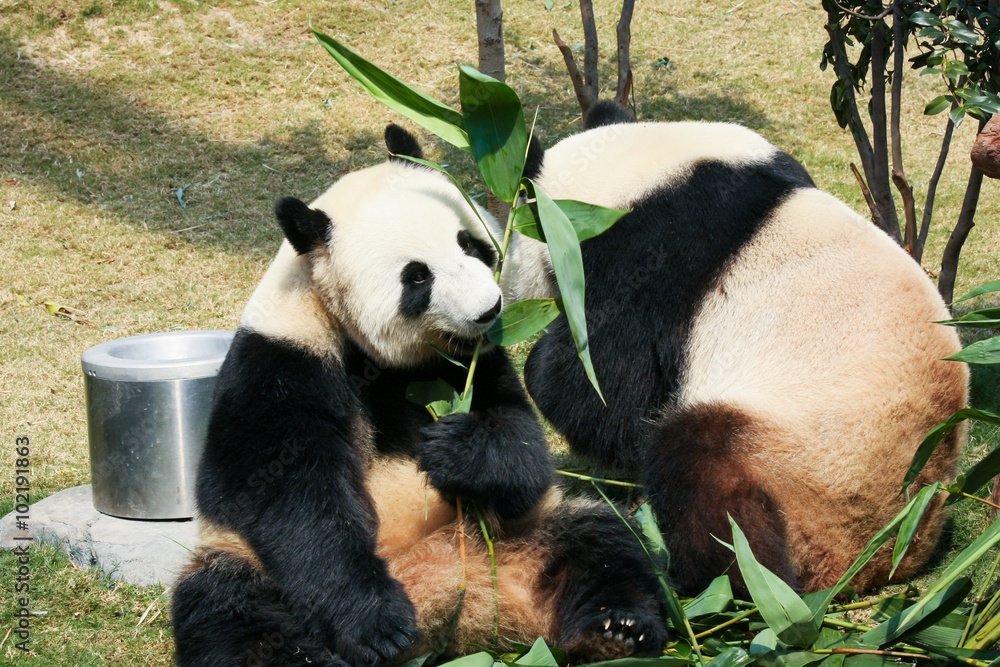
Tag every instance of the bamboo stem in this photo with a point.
(588, 478)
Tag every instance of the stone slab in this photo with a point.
(138, 552)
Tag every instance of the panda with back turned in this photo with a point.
(328, 532)
(764, 352)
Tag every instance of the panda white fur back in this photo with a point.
(330, 531)
(764, 351)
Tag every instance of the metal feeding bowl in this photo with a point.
(148, 400)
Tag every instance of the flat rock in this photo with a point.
(138, 552)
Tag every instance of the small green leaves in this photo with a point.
(937, 105)
(494, 120)
(567, 263)
(521, 320)
(439, 397)
(422, 109)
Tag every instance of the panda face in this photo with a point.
(407, 264)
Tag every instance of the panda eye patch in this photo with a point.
(416, 273)
(473, 247)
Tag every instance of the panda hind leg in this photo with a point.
(226, 611)
(609, 600)
(700, 471)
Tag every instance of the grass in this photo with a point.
(108, 109)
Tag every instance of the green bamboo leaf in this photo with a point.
(494, 120)
(587, 219)
(567, 263)
(647, 524)
(966, 559)
(733, 656)
(447, 356)
(933, 439)
(521, 320)
(439, 397)
(985, 318)
(982, 352)
(718, 597)
(911, 621)
(481, 659)
(908, 527)
(538, 656)
(419, 107)
(643, 662)
(783, 610)
(937, 105)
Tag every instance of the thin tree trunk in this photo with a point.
(590, 72)
(925, 223)
(910, 237)
(489, 27)
(624, 59)
(966, 221)
(878, 180)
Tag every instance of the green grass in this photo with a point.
(108, 108)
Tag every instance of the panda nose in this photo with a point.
(491, 313)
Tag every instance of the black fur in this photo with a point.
(418, 282)
(601, 575)
(474, 247)
(305, 228)
(282, 468)
(400, 142)
(607, 112)
(533, 163)
(660, 259)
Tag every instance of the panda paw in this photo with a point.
(451, 453)
(382, 634)
(615, 633)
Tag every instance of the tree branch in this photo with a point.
(624, 59)
(932, 184)
(574, 74)
(878, 180)
(876, 216)
(966, 221)
(590, 73)
(841, 67)
(911, 242)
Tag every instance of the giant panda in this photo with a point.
(764, 352)
(330, 533)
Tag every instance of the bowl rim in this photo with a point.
(102, 362)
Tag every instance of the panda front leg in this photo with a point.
(609, 600)
(496, 455)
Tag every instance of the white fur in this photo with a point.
(616, 165)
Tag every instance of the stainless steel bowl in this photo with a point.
(148, 400)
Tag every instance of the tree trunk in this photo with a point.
(489, 27)
(966, 221)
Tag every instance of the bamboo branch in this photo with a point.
(624, 59)
(574, 74)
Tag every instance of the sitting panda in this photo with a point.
(763, 350)
(329, 536)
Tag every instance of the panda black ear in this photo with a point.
(304, 227)
(536, 154)
(401, 142)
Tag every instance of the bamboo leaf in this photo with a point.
(522, 320)
(538, 656)
(494, 120)
(985, 288)
(783, 610)
(908, 527)
(933, 439)
(718, 597)
(481, 659)
(733, 656)
(982, 352)
(986, 318)
(439, 397)
(567, 263)
(422, 109)
(932, 609)
(588, 220)
(647, 523)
